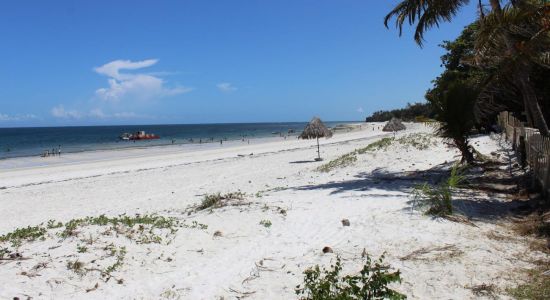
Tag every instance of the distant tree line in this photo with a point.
(412, 112)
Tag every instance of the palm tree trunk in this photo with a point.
(464, 148)
(532, 106)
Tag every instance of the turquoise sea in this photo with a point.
(17, 142)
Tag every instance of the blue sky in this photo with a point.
(153, 62)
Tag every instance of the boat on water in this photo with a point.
(140, 135)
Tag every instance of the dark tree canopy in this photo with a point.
(409, 113)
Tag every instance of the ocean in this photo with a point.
(34, 141)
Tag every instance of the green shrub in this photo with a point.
(265, 223)
(371, 283)
(218, 200)
(437, 200)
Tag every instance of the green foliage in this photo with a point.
(196, 224)
(420, 141)
(454, 105)
(437, 200)
(52, 224)
(381, 144)
(119, 254)
(24, 234)
(371, 283)
(340, 162)
(3, 252)
(217, 200)
(416, 140)
(537, 285)
(412, 112)
(265, 223)
(81, 249)
(130, 221)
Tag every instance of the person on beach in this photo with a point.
(221, 142)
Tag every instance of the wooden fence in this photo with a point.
(532, 148)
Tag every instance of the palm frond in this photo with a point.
(426, 13)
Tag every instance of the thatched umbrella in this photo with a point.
(394, 125)
(314, 130)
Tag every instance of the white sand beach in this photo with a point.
(225, 253)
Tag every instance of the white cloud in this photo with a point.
(112, 69)
(360, 110)
(126, 115)
(96, 113)
(18, 117)
(226, 87)
(60, 112)
(136, 85)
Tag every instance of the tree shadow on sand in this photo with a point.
(490, 195)
(380, 179)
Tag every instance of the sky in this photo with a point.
(71, 63)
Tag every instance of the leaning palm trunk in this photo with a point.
(531, 103)
(465, 150)
(532, 108)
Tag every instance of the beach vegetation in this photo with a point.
(330, 284)
(416, 140)
(81, 249)
(381, 144)
(76, 266)
(455, 113)
(119, 254)
(420, 141)
(340, 162)
(437, 200)
(19, 235)
(154, 221)
(3, 252)
(52, 224)
(196, 224)
(219, 200)
(266, 223)
(537, 284)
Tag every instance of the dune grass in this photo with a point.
(219, 200)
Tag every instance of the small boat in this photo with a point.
(140, 135)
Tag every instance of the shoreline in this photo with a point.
(166, 141)
(25, 162)
(260, 245)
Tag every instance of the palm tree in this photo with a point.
(453, 105)
(499, 25)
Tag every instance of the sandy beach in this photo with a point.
(256, 247)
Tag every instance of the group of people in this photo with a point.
(53, 152)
